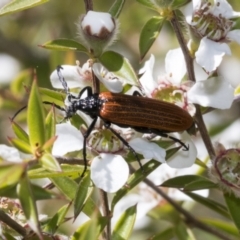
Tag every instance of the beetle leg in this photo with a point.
(107, 125)
(85, 136)
(162, 134)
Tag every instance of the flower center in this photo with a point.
(104, 141)
(207, 21)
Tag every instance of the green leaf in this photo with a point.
(149, 34)
(91, 229)
(224, 226)
(189, 182)
(66, 185)
(49, 162)
(28, 204)
(176, 4)
(35, 119)
(120, 66)
(165, 212)
(38, 192)
(134, 179)
(50, 123)
(209, 203)
(20, 132)
(183, 232)
(24, 78)
(166, 234)
(233, 204)
(10, 173)
(20, 145)
(59, 218)
(84, 191)
(72, 171)
(52, 96)
(116, 8)
(64, 45)
(125, 224)
(148, 4)
(19, 5)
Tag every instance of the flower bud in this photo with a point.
(97, 31)
(226, 170)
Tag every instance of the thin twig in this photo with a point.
(106, 213)
(191, 76)
(188, 217)
(88, 5)
(11, 223)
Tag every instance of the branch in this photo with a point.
(191, 76)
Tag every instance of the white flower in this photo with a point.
(152, 88)
(77, 77)
(9, 154)
(214, 92)
(109, 80)
(108, 171)
(69, 139)
(211, 21)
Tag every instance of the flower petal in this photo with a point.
(147, 80)
(184, 159)
(112, 83)
(10, 154)
(234, 35)
(175, 71)
(149, 150)
(69, 139)
(71, 75)
(213, 92)
(96, 21)
(209, 54)
(109, 172)
(224, 9)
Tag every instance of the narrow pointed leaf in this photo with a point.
(183, 232)
(66, 185)
(116, 8)
(24, 78)
(85, 189)
(19, 132)
(164, 235)
(28, 204)
(49, 162)
(35, 119)
(124, 225)
(64, 45)
(209, 203)
(39, 193)
(227, 227)
(134, 179)
(20, 145)
(10, 173)
(179, 3)
(52, 96)
(148, 4)
(185, 181)
(19, 5)
(149, 34)
(69, 188)
(50, 123)
(233, 206)
(59, 218)
(91, 229)
(120, 66)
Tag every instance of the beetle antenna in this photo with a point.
(15, 115)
